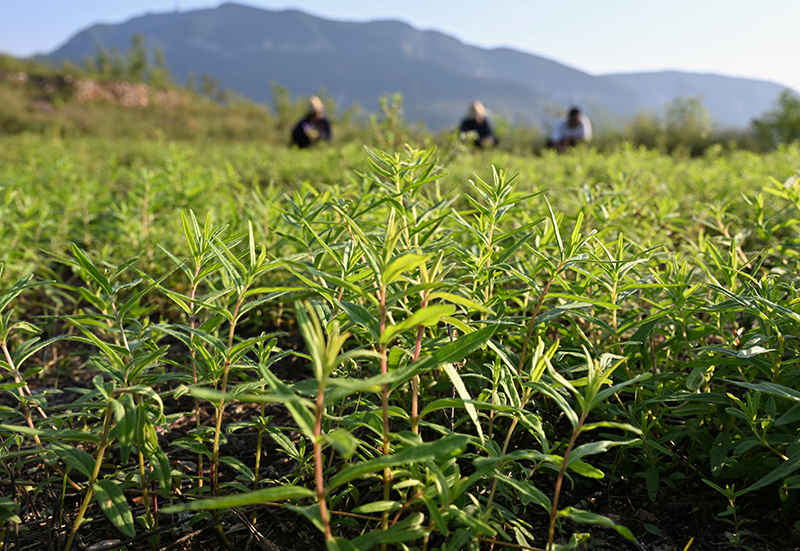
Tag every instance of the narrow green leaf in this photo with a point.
(528, 492)
(574, 542)
(240, 467)
(378, 507)
(530, 455)
(583, 300)
(189, 233)
(91, 269)
(61, 434)
(215, 396)
(610, 425)
(301, 413)
(555, 228)
(651, 480)
(783, 470)
(613, 389)
(340, 544)
(462, 391)
(593, 448)
(112, 352)
(408, 529)
(311, 512)
(344, 442)
(24, 352)
(10, 294)
(437, 450)
(322, 243)
(427, 317)
(8, 507)
(26, 327)
(361, 316)
(454, 351)
(278, 493)
(75, 458)
(113, 504)
(458, 299)
(586, 470)
(476, 524)
(652, 529)
(229, 261)
(558, 398)
(399, 265)
(790, 417)
(584, 517)
(770, 388)
(125, 425)
(449, 403)
(436, 515)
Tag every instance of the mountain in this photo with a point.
(248, 48)
(734, 101)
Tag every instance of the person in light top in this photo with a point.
(575, 129)
(475, 126)
(313, 127)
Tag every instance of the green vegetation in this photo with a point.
(52, 101)
(419, 349)
(782, 124)
(439, 348)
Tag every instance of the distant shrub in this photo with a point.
(781, 124)
(683, 128)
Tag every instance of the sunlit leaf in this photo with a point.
(585, 517)
(278, 493)
(113, 504)
(437, 450)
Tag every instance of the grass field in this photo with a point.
(421, 349)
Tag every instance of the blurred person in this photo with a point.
(476, 126)
(313, 127)
(576, 128)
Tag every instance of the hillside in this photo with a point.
(248, 48)
(69, 103)
(735, 101)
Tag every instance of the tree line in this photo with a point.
(683, 126)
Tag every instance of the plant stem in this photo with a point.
(534, 314)
(415, 379)
(506, 443)
(143, 477)
(560, 479)
(192, 321)
(387, 472)
(214, 467)
(318, 466)
(258, 453)
(221, 407)
(90, 487)
(27, 412)
(522, 360)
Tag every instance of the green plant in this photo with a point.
(395, 350)
(781, 124)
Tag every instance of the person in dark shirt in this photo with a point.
(313, 127)
(476, 125)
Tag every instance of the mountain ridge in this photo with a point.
(249, 48)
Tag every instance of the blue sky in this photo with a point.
(732, 37)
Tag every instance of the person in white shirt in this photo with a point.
(572, 131)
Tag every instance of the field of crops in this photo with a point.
(250, 347)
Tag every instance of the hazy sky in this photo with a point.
(731, 37)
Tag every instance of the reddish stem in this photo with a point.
(323, 506)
